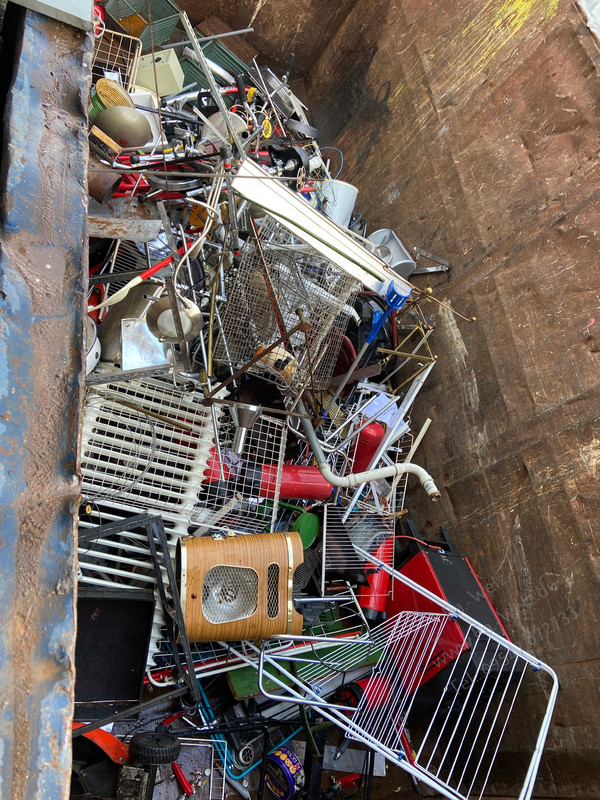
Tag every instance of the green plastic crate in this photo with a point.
(132, 15)
(193, 73)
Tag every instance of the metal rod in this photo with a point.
(173, 174)
(211, 82)
(279, 411)
(175, 423)
(202, 39)
(211, 318)
(268, 94)
(93, 726)
(183, 345)
(269, 284)
(97, 378)
(95, 280)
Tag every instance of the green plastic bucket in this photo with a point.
(307, 526)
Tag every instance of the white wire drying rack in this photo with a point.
(459, 732)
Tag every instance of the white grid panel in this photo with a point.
(243, 497)
(456, 743)
(116, 54)
(145, 447)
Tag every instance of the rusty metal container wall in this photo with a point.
(474, 129)
(43, 265)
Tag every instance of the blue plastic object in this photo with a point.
(395, 300)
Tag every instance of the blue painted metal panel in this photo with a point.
(43, 264)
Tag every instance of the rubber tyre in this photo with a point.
(154, 748)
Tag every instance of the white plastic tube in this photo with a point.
(215, 68)
(355, 479)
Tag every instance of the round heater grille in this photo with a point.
(229, 593)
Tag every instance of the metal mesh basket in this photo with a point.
(116, 56)
(279, 275)
(203, 760)
(240, 494)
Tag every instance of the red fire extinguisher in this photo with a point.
(373, 598)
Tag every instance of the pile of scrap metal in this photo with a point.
(252, 364)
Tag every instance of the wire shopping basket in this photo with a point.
(278, 276)
(116, 56)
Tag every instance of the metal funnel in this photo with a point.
(244, 416)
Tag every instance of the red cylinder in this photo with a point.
(376, 688)
(297, 483)
(369, 440)
(373, 598)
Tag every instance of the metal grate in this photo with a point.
(272, 591)
(458, 744)
(229, 593)
(116, 56)
(279, 275)
(204, 761)
(122, 257)
(240, 493)
(364, 529)
(145, 446)
(395, 447)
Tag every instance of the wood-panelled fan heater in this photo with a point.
(239, 587)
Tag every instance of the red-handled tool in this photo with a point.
(185, 786)
(168, 720)
(117, 296)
